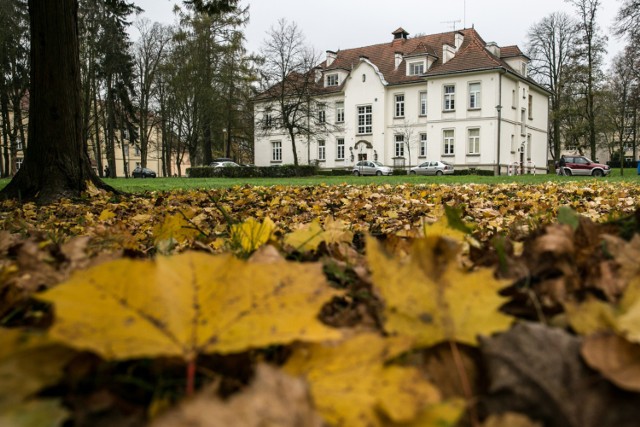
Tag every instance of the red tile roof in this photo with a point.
(471, 56)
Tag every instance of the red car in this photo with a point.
(581, 165)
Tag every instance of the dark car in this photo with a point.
(581, 165)
(143, 173)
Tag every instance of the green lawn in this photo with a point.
(161, 184)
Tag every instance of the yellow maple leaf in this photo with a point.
(444, 414)
(306, 238)
(309, 236)
(252, 234)
(351, 381)
(189, 304)
(28, 362)
(174, 229)
(590, 317)
(106, 215)
(431, 299)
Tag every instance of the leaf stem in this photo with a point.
(466, 386)
(191, 377)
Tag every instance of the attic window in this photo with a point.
(523, 69)
(416, 68)
(332, 80)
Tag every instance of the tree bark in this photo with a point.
(56, 164)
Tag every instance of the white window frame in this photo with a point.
(422, 100)
(333, 80)
(340, 112)
(322, 113)
(365, 119)
(449, 97)
(399, 105)
(399, 145)
(475, 95)
(530, 107)
(423, 145)
(322, 150)
(473, 141)
(449, 142)
(523, 124)
(340, 149)
(276, 151)
(416, 68)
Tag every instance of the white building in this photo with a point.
(448, 96)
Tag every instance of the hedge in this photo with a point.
(283, 171)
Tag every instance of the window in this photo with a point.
(530, 107)
(423, 103)
(276, 151)
(474, 141)
(322, 115)
(136, 150)
(449, 98)
(340, 149)
(19, 161)
(523, 114)
(513, 143)
(267, 121)
(332, 80)
(523, 69)
(365, 119)
(19, 145)
(474, 95)
(416, 68)
(449, 140)
(399, 106)
(126, 150)
(399, 145)
(529, 147)
(322, 150)
(423, 145)
(514, 99)
(339, 112)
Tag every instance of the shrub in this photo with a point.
(284, 171)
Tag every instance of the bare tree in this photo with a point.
(628, 20)
(550, 45)
(621, 87)
(289, 80)
(149, 52)
(591, 49)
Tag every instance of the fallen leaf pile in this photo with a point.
(399, 306)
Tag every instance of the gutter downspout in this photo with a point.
(499, 108)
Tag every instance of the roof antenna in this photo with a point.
(451, 23)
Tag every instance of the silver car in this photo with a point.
(432, 168)
(368, 167)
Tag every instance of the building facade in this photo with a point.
(449, 96)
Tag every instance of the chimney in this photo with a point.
(459, 40)
(331, 56)
(448, 52)
(493, 48)
(398, 56)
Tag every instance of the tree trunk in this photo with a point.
(56, 165)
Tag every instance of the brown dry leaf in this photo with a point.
(352, 384)
(189, 304)
(615, 358)
(273, 399)
(510, 419)
(537, 370)
(444, 369)
(431, 299)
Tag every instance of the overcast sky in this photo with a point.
(342, 24)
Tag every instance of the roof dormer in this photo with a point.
(331, 57)
(400, 35)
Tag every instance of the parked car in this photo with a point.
(143, 173)
(432, 168)
(219, 160)
(581, 165)
(224, 164)
(368, 167)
